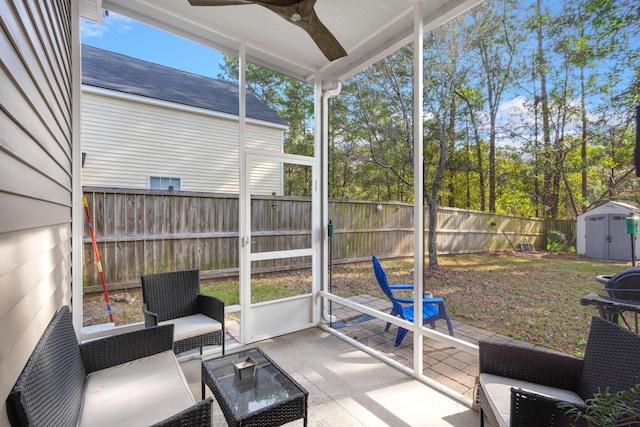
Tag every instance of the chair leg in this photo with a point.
(450, 326)
(393, 312)
(401, 334)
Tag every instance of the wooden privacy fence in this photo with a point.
(142, 231)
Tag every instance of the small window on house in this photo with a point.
(165, 183)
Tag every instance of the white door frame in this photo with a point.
(273, 318)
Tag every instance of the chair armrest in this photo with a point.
(529, 408)
(212, 307)
(401, 286)
(150, 318)
(537, 365)
(198, 415)
(438, 301)
(111, 351)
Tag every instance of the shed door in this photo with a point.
(606, 238)
(597, 236)
(620, 246)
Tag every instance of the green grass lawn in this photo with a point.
(526, 296)
(533, 296)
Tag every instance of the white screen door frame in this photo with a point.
(268, 319)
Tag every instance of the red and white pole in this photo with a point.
(98, 262)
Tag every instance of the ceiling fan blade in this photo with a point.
(325, 40)
(305, 18)
(218, 2)
(276, 3)
(309, 22)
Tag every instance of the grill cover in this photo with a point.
(624, 285)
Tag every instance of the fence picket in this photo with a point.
(144, 231)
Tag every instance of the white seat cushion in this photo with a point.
(137, 393)
(192, 326)
(498, 391)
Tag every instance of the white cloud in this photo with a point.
(514, 116)
(119, 23)
(124, 28)
(512, 108)
(110, 23)
(90, 30)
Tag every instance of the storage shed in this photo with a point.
(601, 232)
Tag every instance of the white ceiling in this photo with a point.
(369, 30)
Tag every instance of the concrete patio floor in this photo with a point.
(450, 366)
(348, 387)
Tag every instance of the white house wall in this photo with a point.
(36, 177)
(128, 138)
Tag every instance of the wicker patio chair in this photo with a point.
(521, 386)
(174, 297)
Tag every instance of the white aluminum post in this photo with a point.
(77, 218)
(244, 203)
(418, 184)
(324, 196)
(318, 224)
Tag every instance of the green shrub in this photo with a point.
(607, 409)
(555, 241)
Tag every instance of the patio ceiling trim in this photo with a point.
(369, 30)
(365, 55)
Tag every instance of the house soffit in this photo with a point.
(369, 30)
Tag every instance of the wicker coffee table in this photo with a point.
(269, 397)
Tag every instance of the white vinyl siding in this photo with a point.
(35, 177)
(127, 139)
(262, 179)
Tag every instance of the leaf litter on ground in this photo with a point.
(533, 296)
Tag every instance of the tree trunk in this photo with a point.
(549, 199)
(478, 154)
(583, 117)
(445, 136)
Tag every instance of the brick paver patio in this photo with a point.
(452, 367)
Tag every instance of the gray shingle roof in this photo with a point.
(109, 70)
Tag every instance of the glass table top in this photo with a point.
(268, 386)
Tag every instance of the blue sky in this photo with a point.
(128, 37)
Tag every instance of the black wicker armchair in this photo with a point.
(521, 386)
(175, 298)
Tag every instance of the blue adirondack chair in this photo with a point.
(432, 308)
